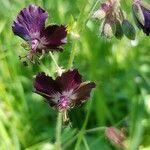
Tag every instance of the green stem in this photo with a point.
(58, 131)
(86, 143)
(96, 129)
(74, 45)
(59, 70)
(91, 11)
(82, 131)
(72, 55)
(79, 27)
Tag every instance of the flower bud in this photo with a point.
(107, 30)
(141, 14)
(128, 29)
(102, 11)
(99, 14)
(118, 32)
(115, 136)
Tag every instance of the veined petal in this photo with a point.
(30, 22)
(69, 80)
(82, 93)
(46, 87)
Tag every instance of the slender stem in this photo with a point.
(74, 45)
(86, 143)
(59, 70)
(79, 28)
(72, 55)
(91, 11)
(58, 131)
(82, 131)
(95, 129)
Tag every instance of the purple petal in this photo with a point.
(53, 37)
(30, 22)
(69, 80)
(46, 86)
(83, 92)
(146, 14)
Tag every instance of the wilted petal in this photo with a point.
(30, 22)
(46, 86)
(83, 92)
(53, 37)
(69, 80)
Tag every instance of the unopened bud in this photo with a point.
(141, 14)
(115, 136)
(99, 14)
(118, 32)
(108, 29)
(128, 30)
(102, 11)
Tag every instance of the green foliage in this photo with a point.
(120, 69)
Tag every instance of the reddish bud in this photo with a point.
(115, 136)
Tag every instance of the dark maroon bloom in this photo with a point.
(65, 91)
(30, 26)
(141, 13)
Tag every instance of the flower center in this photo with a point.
(63, 103)
(34, 44)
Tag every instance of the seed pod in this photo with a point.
(118, 32)
(128, 30)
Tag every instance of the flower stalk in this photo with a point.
(58, 131)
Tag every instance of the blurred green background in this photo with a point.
(121, 70)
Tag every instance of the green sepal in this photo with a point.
(118, 32)
(128, 30)
(138, 13)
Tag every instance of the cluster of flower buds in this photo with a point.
(113, 20)
(141, 14)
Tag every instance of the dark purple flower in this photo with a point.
(141, 13)
(65, 91)
(30, 26)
